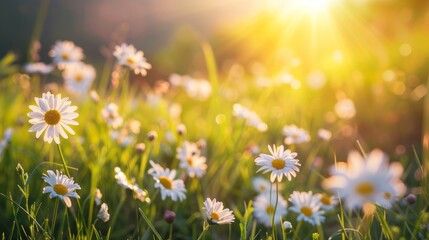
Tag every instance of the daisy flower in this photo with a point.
(103, 214)
(328, 202)
(38, 67)
(295, 135)
(4, 142)
(78, 77)
(111, 115)
(170, 187)
(199, 89)
(264, 209)
(216, 214)
(324, 134)
(123, 137)
(307, 206)
(261, 185)
(127, 55)
(61, 186)
(126, 183)
(280, 162)
(191, 160)
(98, 195)
(370, 180)
(53, 114)
(252, 118)
(64, 52)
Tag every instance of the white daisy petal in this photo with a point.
(46, 117)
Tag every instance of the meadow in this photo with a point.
(273, 138)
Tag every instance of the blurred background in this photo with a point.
(372, 51)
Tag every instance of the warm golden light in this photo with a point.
(311, 6)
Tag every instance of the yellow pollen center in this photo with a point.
(325, 199)
(60, 189)
(65, 56)
(365, 188)
(269, 209)
(306, 211)
(214, 216)
(190, 161)
(79, 77)
(278, 164)
(52, 117)
(131, 60)
(111, 116)
(387, 195)
(166, 182)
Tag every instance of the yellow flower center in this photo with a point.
(131, 60)
(78, 77)
(325, 199)
(111, 116)
(365, 188)
(306, 211)
(65, 56)
(278, 164)
(214, 216)
(166, 182)
(387, 195)
(190, 161)
(269, 209)
(52, 117)
(60, 189)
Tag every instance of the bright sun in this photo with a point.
(312, 6)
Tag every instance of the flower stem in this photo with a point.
(171, 232)
(63, 160)
(295, 234)
(54, 218)
(205, 229)
(143, 162)
(273, 233)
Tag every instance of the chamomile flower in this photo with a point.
(295, 135)
(170, 187)
(78, 77)
(280, 162)
(53, 114)
(328, 202)
(38, 67)
(324, 134)
(191, 160)
(261, 185)
(199, 89)
(126, 183)
(61, 186)
(264, 208)
(127, 55)
(65, 52)
(98, 195)
(4, 142)
(252, 118)
(370, 180)
(122, 180)
(111, 115)
(308, 207)
(216, 214)
(103, 214)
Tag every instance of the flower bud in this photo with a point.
(169, 216)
